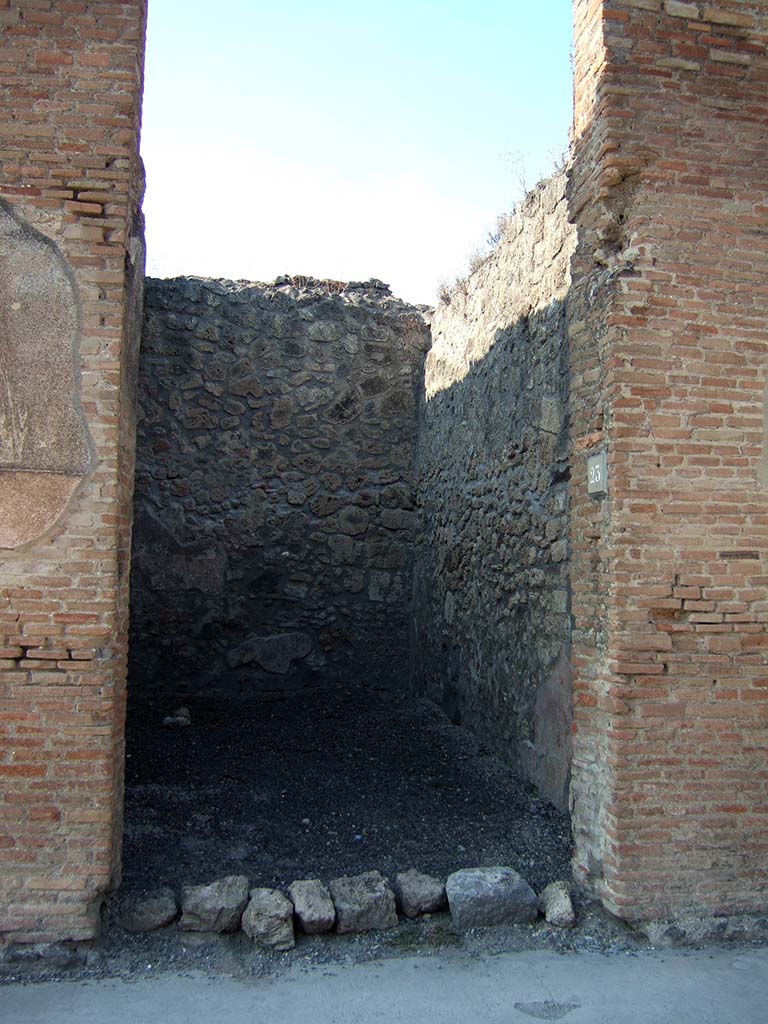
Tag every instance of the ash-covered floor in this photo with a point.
(323, 783)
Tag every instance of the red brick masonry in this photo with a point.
(70, 100)
(669, 358)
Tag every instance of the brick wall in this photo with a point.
(71, 183)
(669, 345)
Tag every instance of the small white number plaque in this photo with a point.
(597, 474)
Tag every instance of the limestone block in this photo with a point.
(483, 897)
(151, 911)
(216, 907)
(363, 903)
(313, 906)
(558, 908)
(268, 919)
(418, 894)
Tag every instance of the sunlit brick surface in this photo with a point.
(669, 342)
(70, 91)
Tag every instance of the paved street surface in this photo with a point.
(716, 986)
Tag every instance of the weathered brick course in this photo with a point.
(62, 606)
(668, 352)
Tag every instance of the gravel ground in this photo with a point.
(320, 784)
(309, 784)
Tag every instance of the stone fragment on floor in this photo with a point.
(313, 906)
(418, 894)
(179, 719)
(483, 897)
(150, 911)
(268, 919)
(363, 903)
(558, 907)
(216, 907)
(275, 653)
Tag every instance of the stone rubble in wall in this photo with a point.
(475, 898)
(274, 509)
(491, 585)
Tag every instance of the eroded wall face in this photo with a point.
(669, 357)
(70, 189)
(274, 487)
(491, 604)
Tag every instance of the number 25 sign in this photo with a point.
(597, 474)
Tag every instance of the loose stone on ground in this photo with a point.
(363, 903)
(216, 907)
(268, 919)
(483, 897)
(418, 894)
(179, 719)
(558, 908)
(313, 906)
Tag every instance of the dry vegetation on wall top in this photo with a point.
(509, 226)
(302, 281)
(491, 583)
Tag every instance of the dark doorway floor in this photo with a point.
(322, 783)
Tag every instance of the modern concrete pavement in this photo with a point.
(715, 986)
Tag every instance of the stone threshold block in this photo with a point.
(216, 907)
(268, 920)
(363, 903)
(313, 906)
(484, 897)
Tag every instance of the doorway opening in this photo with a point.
(281, 721)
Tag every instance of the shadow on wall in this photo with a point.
(274, 514)
(307, 489)
(491, 615)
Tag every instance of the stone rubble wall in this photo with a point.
(275, 484)
(491, 600)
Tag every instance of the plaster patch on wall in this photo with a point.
(44, 444)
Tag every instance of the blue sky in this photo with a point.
(346, 140)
